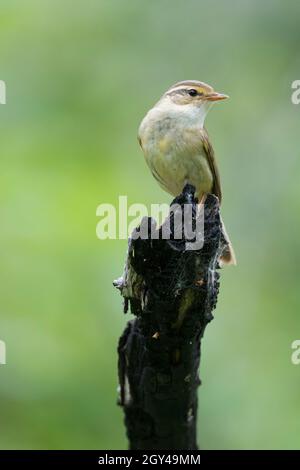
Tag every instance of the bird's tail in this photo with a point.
(228, 256)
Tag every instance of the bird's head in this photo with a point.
(193, 92)
(190, 98)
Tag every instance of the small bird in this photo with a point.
(176, 145)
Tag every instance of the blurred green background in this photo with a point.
(80, 75)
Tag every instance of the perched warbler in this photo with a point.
(177, 147)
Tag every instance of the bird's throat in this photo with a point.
(185, 115)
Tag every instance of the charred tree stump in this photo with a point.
(172, 292)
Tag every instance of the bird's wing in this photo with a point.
(216, 188)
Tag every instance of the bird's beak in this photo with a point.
(216, 96)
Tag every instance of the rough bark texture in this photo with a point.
(172, 293)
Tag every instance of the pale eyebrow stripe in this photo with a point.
(182, 88)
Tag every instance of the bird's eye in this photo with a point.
(193, 92)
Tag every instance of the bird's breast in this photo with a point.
(175, 154)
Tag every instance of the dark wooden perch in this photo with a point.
(172, 292)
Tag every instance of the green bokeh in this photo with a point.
(80, 76)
